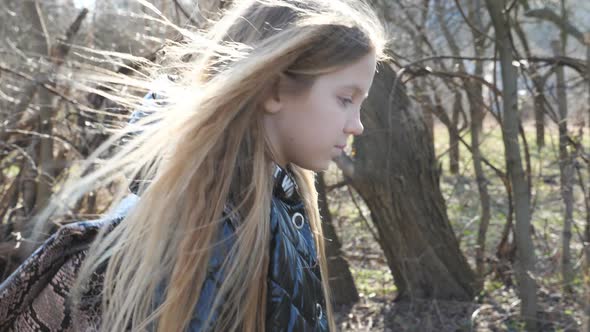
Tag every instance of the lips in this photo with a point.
(340, 146)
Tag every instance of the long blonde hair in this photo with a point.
(206, 147)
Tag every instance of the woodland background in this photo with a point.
(465, 205)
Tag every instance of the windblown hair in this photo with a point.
(206, 148)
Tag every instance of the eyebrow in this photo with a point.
(356, 88)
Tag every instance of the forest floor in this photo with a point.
(497, 307)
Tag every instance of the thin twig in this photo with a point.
(43, 26)
(185, 13)
(471, 25)
(573, 63)
(47, 86)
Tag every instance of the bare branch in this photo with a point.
(578, 65)
(43, 25)
(471, 25)
(47, 86)
(59, 52)
(422, 71)
(549, 15)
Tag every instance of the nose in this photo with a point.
(354, 126)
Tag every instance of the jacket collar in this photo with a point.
(285, 186)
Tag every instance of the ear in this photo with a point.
(272, 100)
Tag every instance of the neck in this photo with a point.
(273, 141)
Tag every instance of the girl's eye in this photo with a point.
(345, 101)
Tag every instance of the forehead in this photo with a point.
(356, 77)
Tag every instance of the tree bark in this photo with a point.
(395, 172)
(539, 109)
(37, 45)
(538, 81)
(453, 133)
(566, 172)
(420, 85)
(525, 257)
(587, 228)
(341, 281)
(477, 112)
(46, 160)
(454, 154)
(475, 97)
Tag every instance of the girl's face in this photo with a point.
(311, 128)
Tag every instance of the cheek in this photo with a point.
(322, 134)
(308, 130)
(325, 112)
(324, 120)
(315, 122)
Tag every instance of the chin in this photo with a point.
(316, 166)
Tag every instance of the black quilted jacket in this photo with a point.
(295, 298)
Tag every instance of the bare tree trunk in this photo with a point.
(477, 112)
(427, 110)
(420, 85)
(395, 172)
(566, 174)
(539, 108)
(341, 282)
(587, 228)
(454, 135)
(46, 161)
(525, 256)
(457, 106)
(538, 86)
(474, 94)
(453, 121)
(423, 99)
(38, 45)
(44, 150)
(28, 184)
(9, 197)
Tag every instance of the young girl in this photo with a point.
(224, 232)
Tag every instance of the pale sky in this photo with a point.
(84, 3)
